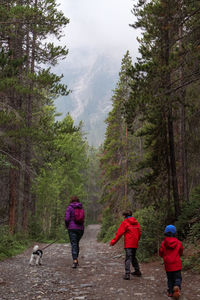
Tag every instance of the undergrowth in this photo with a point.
(191, 256)
(152, 228)
(13, 244)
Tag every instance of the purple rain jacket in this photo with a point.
(69, 216)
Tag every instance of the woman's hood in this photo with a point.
(76, 205)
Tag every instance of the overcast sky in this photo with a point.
(98, 36)
(100, 26)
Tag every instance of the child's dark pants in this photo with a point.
(131, 258)
(173, 279)
(75, 235)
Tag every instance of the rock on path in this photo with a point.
(99, 276)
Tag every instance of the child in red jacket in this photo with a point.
(171, 249)
(130, 228)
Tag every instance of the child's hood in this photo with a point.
(131, 220)
(171, 242)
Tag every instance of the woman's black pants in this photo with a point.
(75, 235)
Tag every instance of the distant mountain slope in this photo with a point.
(91, 81)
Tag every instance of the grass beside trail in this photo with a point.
(13, 244)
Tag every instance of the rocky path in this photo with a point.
(99, 275)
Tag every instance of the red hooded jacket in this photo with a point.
(131, 230)
(170, 250)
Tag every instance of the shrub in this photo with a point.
(11, 244)
(107, 222)
(188, 224)
(152, 227)
(109, 235)
(35, 228)
(151, 223)
(57, 232)
(192, 262)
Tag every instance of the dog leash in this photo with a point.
(49, 245)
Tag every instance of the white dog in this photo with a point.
(36, 256)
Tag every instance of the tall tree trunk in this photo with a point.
(180, 123)
(13, 196)
(167, 165)
(15, 46)
(183, 151)
(126, 168)
(173, 164)
(28, 142)
(166, 81)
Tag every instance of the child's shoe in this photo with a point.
(176, 293)
(136, 273)
(169, 294)
(126, 277)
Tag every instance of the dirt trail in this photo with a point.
(99, 275)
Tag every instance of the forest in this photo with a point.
(149, 161)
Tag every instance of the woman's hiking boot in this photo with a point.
(136, 273)
(176, 293)
(75, 264)
(126, 277)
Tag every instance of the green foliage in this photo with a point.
(108, 222)
(188, 224)
(157, 99)
(152, 228)
(111, 231)
(34, 228)
(92, 186)
(56, 232)
(50, 154)
(11, 245)
(194, 233)
(60, 234)
(4, 163)
(117, 158)
(192, 261)
(61, 175)
(158, 95)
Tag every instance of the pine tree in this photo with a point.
(61, 173)
(159, 89)
(25, 86)
(116, 160)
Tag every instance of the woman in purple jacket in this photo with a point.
(75, 229)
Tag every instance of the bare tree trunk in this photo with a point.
(184, 167)
(13, 197)
(166, 81)
(15, 45)
(28, 142)
(167, 164)
(126, 168)
(184, 171)
(173, 164)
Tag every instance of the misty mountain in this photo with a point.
(92, 80)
